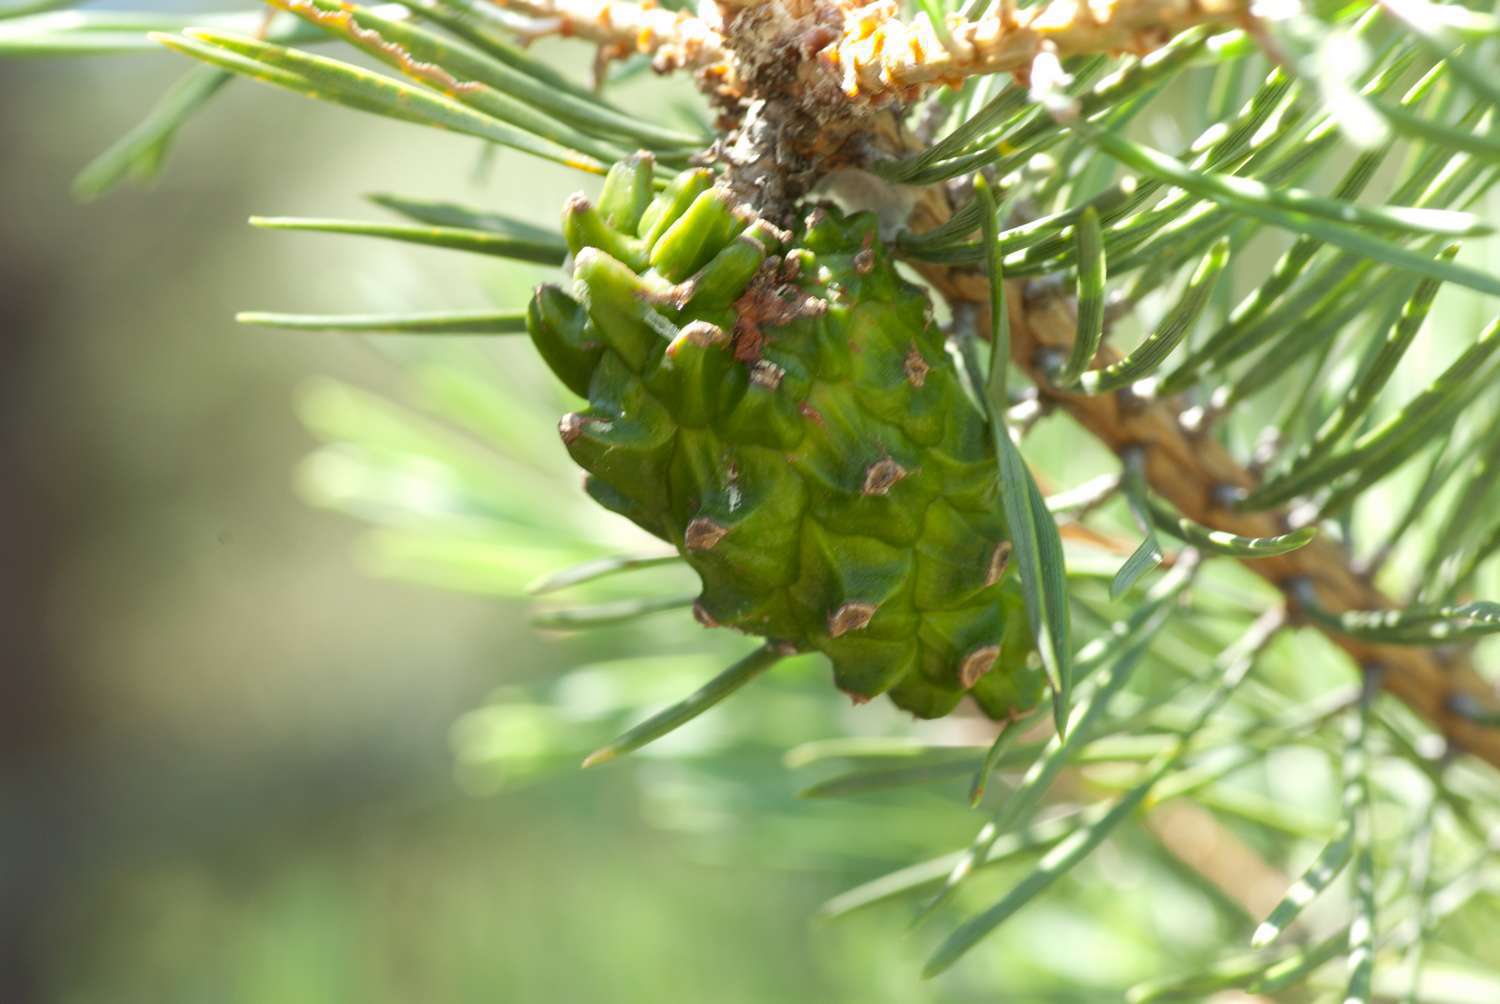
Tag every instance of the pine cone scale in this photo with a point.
(794, 426)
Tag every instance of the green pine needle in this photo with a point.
(1212, 541)
(593, 571)
(670, 719)
(447, 322)
(539, 251)
(608, 614)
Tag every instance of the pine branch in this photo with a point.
(873, 55)
(878, 56)
(673, 39)
(1199, 477)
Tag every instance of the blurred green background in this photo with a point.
(228, 771)
(240, 767)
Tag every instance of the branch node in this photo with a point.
(1131, 402)
(1225, 496)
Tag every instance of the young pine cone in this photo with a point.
(781, 409)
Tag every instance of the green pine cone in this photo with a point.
(782, 410)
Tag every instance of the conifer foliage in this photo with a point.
(830, 338)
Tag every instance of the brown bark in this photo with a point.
(1195, 837)
(1191, 471)
(875, 54)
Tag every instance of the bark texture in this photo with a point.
(1191, 472)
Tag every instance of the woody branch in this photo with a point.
(878, 56)
(1191, 471)
(875, 57)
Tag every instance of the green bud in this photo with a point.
(697, 235)
(617, 302)
(559, 329)
(866, 667)
(672, 203)
(691, 373)
(583, 226)
(625, 439)
(627, 192)
(724, 278)
(796, 429)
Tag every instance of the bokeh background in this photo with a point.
(229, 770)
(255, 754)
(239, 767)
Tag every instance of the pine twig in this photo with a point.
(881, 54)
(878, 56)
(1199, 476)
(674, 39)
